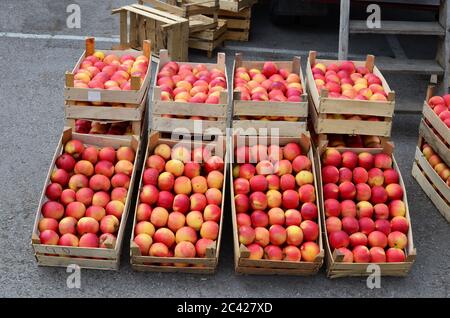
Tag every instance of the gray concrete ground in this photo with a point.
(32, 119)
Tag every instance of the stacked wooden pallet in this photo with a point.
(432, 157)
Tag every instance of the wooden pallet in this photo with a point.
(335, 266)
(321, 106)
(93, 258)
(249, 109)
(165, 30)
(103, 96)
(205, 265)
(195, 11)
(137, 127)
(243, 264)
(162, 109)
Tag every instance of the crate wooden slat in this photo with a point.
(205, 265)
(324, 140)
(211, 34)
(236, 5)
(105, 258)
(166, 30)
(136, 127)
(242, 263)
(209, 40)
(238, 23)
(436, 143)
(428, 186)
(128, 112)
(134, 96)
(162, 108)
(194, 11)
(321, 106)
(270, 109)
(335, 267)
(429, 180)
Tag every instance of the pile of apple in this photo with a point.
(345, 80)
(364, 208)
(268, 84)
(354, 141)
(275, 203)
(86, 196)
(83, 126)
(110, 72)
(194, 84)
(180, 202)
(441, 106)
(436, 162)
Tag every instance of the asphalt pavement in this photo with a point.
(32, 117)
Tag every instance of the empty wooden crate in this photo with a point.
(165, 30)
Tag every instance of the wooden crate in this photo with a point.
(136, 127)
(435, 188)
(324, 140)
(171, 108)
(238, 23)
(93, 258)
(321, 106)
(209, 40)
(165, 30)
(251, 109)
(194, 10)
(205, 265)
(433, 128)
(236, 5)
(133, 96)
(335, 267)
(242, 263)
(111, 111)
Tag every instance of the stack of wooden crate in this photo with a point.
(108, 112)
(434, 133)
(333, 115)
(205, 30)
(95, 107)
(267, 123)
(237, 14)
